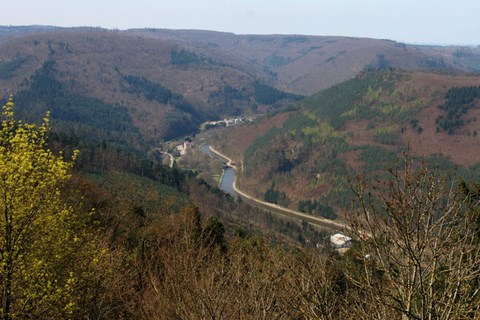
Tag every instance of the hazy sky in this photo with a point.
(413, 21)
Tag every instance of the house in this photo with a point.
(339, 240)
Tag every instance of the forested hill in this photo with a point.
(161, 84)
(306, 64)
(116, 86)
(361, 126)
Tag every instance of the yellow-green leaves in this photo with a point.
(40, 239)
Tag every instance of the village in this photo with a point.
(226, 122)
(180, 149)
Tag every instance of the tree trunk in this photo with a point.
(8, 266)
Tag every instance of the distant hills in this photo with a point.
(306, 64)
(161, 84)
(159, 88)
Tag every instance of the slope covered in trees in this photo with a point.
(306, 64)
(359, 126)
(458, 103)
(149, 87)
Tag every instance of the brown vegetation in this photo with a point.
(181, 266)
(307, 64)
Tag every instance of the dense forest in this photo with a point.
(267, 95)
(82, 116)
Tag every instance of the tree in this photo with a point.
(417, 252)
(45, 253)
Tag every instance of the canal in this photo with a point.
(228, 176)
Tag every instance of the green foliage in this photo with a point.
(335, 103)
(276, 196)
(183, 57)
(414, 123)
(317, 208)
(145, 194)
(151, 91)
(333, 58)
(468, 57)
(458, 102)
(387, 135)
(154, 91)
(8, 68)
(265, 94)
(380, 63)
(230, 93)
(312, 144)
(276, 61)
(298, 121)
(377, 158)
(259, 143)
(294, 39)
(47, 254)
(434, 63)
(44, 86)
(226, 100)
(304, 128)
(323, 133)
(444, 164)
(94, 113)
(179, 123)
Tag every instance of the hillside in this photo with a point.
(359, 126)
(307, 64)
(95, 79)
(294, 63)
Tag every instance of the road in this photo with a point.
(171, 158)
(318, 221)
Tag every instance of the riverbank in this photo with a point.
(319, 221)
(230, 161)
(229, 170)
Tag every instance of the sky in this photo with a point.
(411, 21)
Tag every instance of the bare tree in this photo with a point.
(317, 286)
(418, 249)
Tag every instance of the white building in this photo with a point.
(339, 240)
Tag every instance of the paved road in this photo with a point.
(321, 222)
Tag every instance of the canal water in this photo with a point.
(228, 177)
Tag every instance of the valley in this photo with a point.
(187, 174)
(229, 185)
(393, 112)
(299, 142)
